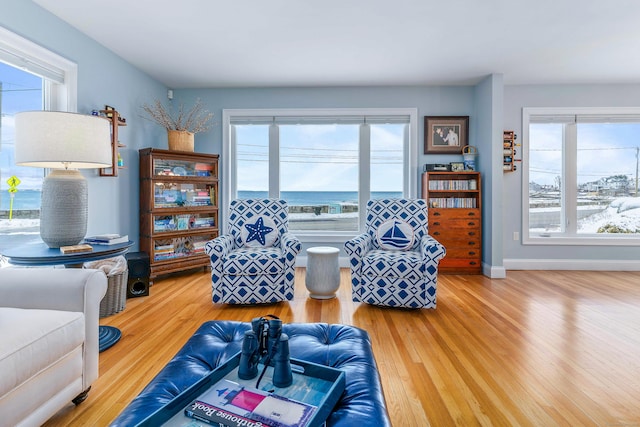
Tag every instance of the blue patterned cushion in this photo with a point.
(407, 264)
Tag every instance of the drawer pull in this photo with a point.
(472, 253)
(436, 223)
(471, 214)
(471, 224)
(472, 263)
(436, 233)
(472, 243)
(472, 233)
(436, 214)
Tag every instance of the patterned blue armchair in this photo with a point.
(395, 262)
(255, 262)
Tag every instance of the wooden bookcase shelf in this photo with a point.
(455, 218)
(116, 121)
(178, 208)
(509, 151)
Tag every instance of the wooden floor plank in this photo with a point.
(537, 348)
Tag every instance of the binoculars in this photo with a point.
(265, 343)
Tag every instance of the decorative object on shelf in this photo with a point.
(182, 125)
(65, 142)
(456, 166)
(115, 120)
(509, 151)
(469, 153)
(445, 134)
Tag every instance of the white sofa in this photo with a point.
(48, 340)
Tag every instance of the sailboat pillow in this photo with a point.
(395, 235)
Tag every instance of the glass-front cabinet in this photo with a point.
(178, 208)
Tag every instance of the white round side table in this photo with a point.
(323, 272)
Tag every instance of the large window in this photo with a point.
(326, 164)
(31, 78)
(581, 176)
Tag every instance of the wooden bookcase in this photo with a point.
(178, 208)
(455, 218)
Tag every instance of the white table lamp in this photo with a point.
(64, 142)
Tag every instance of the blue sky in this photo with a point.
(604, 149)
(21, 91)
(320, 157)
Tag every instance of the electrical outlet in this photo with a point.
(516, 235)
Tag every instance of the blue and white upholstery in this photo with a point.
(395, 278)
(251, 275)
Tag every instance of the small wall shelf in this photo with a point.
(509, 151)
(116, 121)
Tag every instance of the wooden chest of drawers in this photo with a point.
(455, 218)
(459, 230)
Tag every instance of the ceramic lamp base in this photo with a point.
(63, 212)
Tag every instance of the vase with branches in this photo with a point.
(181, 125)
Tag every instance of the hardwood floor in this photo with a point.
(535, 349)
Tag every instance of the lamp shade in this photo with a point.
(53, 139)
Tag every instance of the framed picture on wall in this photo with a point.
(445, 134)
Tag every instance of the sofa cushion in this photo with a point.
(381, 263)
(253, 262)
(35, 340)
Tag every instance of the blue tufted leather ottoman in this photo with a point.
(339, 346)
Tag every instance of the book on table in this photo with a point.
(107, 239)
(228, 403)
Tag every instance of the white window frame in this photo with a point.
(60, 74)
(410, 160)
(568, 181)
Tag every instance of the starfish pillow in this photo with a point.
(259, 234)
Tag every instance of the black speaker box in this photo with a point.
(139, 271)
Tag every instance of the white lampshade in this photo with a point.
(53, 139)
(64, 142)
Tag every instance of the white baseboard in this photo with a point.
(494, 272)
(572, 264)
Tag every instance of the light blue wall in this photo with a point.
(518, 97)
(103, 78)
(429, 100)
(488, 126)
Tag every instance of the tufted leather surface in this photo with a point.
(339, 346)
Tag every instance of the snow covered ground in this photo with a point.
(622, 213)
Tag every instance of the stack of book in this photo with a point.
(107, 239)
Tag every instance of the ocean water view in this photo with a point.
(30, 199)
(22, 200)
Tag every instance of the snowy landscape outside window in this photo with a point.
(581, 169)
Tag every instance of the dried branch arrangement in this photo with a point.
(197, 119)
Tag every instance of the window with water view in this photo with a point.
(321, 166)
(19, 203)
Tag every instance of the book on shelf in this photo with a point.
(107, 239)
(231, 404)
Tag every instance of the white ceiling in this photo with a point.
(259, 43)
